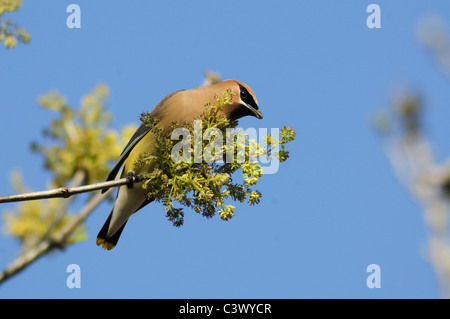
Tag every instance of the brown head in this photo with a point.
(185, 105)
(244, 101)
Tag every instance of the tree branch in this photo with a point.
(66, 192)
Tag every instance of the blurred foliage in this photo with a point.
(433, 32)
(82, 141)
(412, 153)
(205, 183)
(34, 221)
(404, 118)
(81, 147)
(11, 33)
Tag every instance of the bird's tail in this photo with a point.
(108, 242)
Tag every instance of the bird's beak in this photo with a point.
(257, 113)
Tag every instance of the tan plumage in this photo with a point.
(180, 106)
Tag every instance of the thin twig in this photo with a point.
(78, 179)
(65, 192)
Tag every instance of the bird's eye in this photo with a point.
(243, 94)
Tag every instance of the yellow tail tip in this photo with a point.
(102, 242)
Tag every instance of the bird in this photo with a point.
(180, 106)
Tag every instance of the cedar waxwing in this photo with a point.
(179, 106)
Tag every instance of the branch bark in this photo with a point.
(65, 192)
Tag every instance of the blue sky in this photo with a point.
(331, 210)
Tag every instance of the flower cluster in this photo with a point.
(201, 183)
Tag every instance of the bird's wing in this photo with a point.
(137, 136)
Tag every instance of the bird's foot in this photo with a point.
(132, 178)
